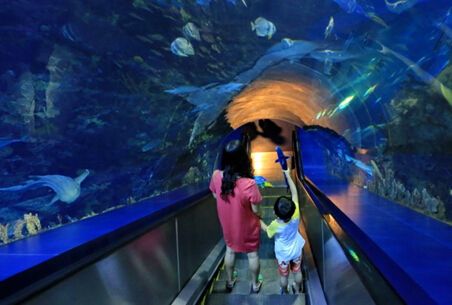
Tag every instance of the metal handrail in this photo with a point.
(378, 287)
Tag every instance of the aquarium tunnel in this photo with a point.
(115, 114)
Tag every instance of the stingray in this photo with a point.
(67, 189)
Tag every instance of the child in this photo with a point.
(288, 241)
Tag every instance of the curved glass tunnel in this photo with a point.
(101, 107)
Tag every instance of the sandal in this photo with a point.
(256, 289)
(230, 286)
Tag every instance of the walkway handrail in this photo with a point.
(376, 285)
(31, 264)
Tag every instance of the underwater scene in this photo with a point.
(106, 103)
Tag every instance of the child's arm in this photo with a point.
(292, 187)
(264, 227)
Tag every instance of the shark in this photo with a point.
(209, 102)
(211, 99)
(420, 73)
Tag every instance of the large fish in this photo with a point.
(420, 73)
(276, 54)
(67, 189)
(209, 100)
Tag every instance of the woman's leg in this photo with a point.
(229, 262)
(253, 261)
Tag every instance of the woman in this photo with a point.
(237, 198)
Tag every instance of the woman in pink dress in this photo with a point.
(238, 198)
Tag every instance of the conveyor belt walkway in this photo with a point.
(270, 291)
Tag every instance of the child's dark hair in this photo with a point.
(284, 208)
(235, 164)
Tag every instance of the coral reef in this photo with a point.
(394, 190)
(192, 176)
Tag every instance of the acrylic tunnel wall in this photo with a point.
(104, 103)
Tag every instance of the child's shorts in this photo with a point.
(294, 266)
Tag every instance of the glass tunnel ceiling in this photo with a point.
(105, 103)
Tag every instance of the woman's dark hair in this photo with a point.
(284, 208)
(235, 164)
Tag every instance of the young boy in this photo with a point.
(288, 241)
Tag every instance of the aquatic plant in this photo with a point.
(18, 228)
(32, 222)
(4, 233)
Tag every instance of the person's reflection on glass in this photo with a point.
(271, 131)
(250, 129)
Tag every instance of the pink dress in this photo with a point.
(241, 227)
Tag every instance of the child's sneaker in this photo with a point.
(294, 288)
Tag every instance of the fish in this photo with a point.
(352, 6)
(209, 101)
(327, 66)
(67, 189)
(7, 141)
(420, 73)
(235, 2)
(400, 5)
(287, 41)
(367, 136)
(348, 42)
(150, 146)
(69, 33)
(263, 27)
(361, 165)
(329, 27)
(345, 102)
(190, 31)
(182, 47)
(333, 55)
(370, 90)
(274, 55)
